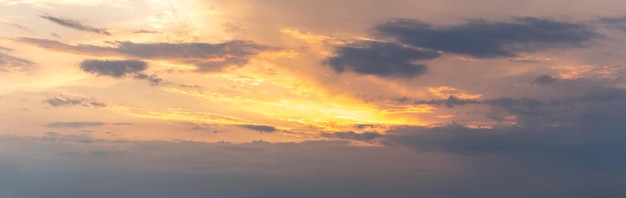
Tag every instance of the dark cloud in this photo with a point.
(11, 63)
(544, 80)
(504, 102)
(308, 169)
(603, 94)
(614, 22)
(450, 102)
(513, 102)
(63, 101)
(380, 59)
(75, 25)
(74, 124)
(488, 39)
(260, 128)
(574, 146)
(580, 132)
(205, 56)
(152, 79)
(119, 69)
(350, 135)
(114, 68)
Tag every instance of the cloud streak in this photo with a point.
(259, 128)
(75, 25)
(10, 63)
(66, 101)
(80, 124)
(206, 57)
(74, 124)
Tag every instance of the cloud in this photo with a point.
(350, 135)
(81, 125)
(113, 68)
(505, 102)
(512, 102)
(120, 69)
(380, 59)
(581, 131)
(577, 147)
(75, 25)
(64, 101)
(74, 124)
(489, 39)
(614, 22)
(205, 56)
(10, 63)
(152, 79)
(18, 26)
(450, 102)
(544, 80)
(145, 32)
(260, 128)
(277, 170)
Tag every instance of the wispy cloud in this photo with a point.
(206, 57)
(260, 128)
(11, 63)
(75, 25)
(74, 124)
(65, 101)
(18, 26)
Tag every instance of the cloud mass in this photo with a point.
(489, 39)
(113, 68)
(380, 59)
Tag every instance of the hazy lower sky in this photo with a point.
(295, 98)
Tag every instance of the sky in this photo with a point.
(295, 98)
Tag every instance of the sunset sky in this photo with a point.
(295, 98)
